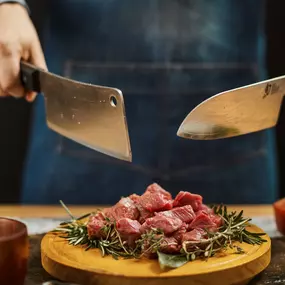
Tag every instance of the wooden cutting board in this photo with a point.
(74, 264)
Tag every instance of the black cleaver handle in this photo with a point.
(30, 77)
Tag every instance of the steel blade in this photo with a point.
(236, 112)
(91, 115)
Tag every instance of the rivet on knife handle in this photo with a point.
(30, 77)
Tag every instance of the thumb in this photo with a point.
(36, 58)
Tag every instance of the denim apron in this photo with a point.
(166, 56)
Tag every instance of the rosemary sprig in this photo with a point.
(76, 233)
(234, 229)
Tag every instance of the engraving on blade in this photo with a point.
(270, 89)
(93, 116)
(235, 112)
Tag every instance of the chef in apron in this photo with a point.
(166, 56)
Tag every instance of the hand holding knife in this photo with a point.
(91, 115)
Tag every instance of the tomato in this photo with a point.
(279, 210)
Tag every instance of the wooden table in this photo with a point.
(38, 211)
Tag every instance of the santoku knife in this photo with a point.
(91, 115)
(236, 112)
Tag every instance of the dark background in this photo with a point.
(15, 115)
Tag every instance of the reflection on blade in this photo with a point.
(235, 112)
(200, 131)
(104, 150)
(91, 115)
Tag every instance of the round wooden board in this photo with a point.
(74, 264)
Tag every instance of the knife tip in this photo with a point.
(180, 132)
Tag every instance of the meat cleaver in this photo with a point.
(235, 112)
(91, 115)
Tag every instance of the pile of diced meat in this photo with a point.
(184, 218)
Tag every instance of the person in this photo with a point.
(19, 41)
(166, 56)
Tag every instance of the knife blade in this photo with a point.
(91, 115)
(235, 112)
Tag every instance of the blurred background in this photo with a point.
(173, 53)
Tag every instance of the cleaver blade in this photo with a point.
(91, 115)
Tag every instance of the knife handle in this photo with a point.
(30, 77)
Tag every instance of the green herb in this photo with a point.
(234, 229)
(76, 233)
(171, 261)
